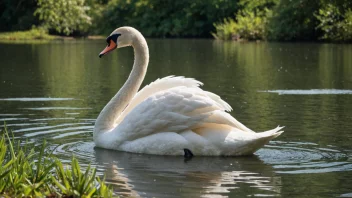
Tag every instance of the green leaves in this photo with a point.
(335, 21)
(288, 20)
(78, 184)
(248, 26)
(64, 16)
(160, 18)
(250, 23)
(26, 173)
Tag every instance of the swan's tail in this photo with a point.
(246, 143)
(236, 142)
(271, 134)
(261, 139)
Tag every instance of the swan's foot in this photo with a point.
(188, 153)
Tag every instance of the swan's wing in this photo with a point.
(176, 110)
(157, 86)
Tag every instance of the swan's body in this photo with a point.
(169, 115)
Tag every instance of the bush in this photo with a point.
(225, 30)
(251, 21)
(335, 23)
(64, 16)
(248, 26)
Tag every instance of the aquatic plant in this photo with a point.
(25, 173)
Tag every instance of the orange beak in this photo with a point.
(111, 46)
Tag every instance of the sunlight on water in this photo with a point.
(310, 92)
(3, 115)
(57, 130)
(346, 195)
(55, 108)
(12, 119)
(293, 158)
(35, 99)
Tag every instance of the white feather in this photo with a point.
(171, 114)
(184, 117)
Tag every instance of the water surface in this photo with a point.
(55, 91)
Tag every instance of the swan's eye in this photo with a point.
(113, 38)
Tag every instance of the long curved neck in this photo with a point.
(107, 117)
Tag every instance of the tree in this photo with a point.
(335, 20)
(17, 14)
(64, 16)
(160, 18)
(294, 20)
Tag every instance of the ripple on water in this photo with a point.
(12, 119)
(283, 156)
(60, 130)
(39, 128)
(35, 99)
(304, 158)
(80, 149)
(9, 114)
(23, 124)
(138, 174)
(310, 91)
(55, 108)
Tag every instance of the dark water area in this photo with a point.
(55, 91)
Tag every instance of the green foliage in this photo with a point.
(335, 21)
(159, 18)
(250, 23)
(226, 30)
(258, 5)
(97, 8)
(23, 173)
(64, 16)
(17, 15)
(294, 20)
(74, 182)
(283, 20)
(288, 20)
(33, 34)
(248, 26)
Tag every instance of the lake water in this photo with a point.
(55, 91)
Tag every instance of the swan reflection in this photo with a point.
(167, 176)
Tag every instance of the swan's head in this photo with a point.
(121, 37)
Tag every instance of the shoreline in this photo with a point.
(39, 35)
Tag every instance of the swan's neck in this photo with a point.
(107, 117)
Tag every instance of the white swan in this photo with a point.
(171, 116)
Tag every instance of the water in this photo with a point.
(55, 91)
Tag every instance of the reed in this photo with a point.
(26, 173)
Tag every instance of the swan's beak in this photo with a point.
(112, 45)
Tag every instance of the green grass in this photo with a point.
(26, 173)
(33, 34)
